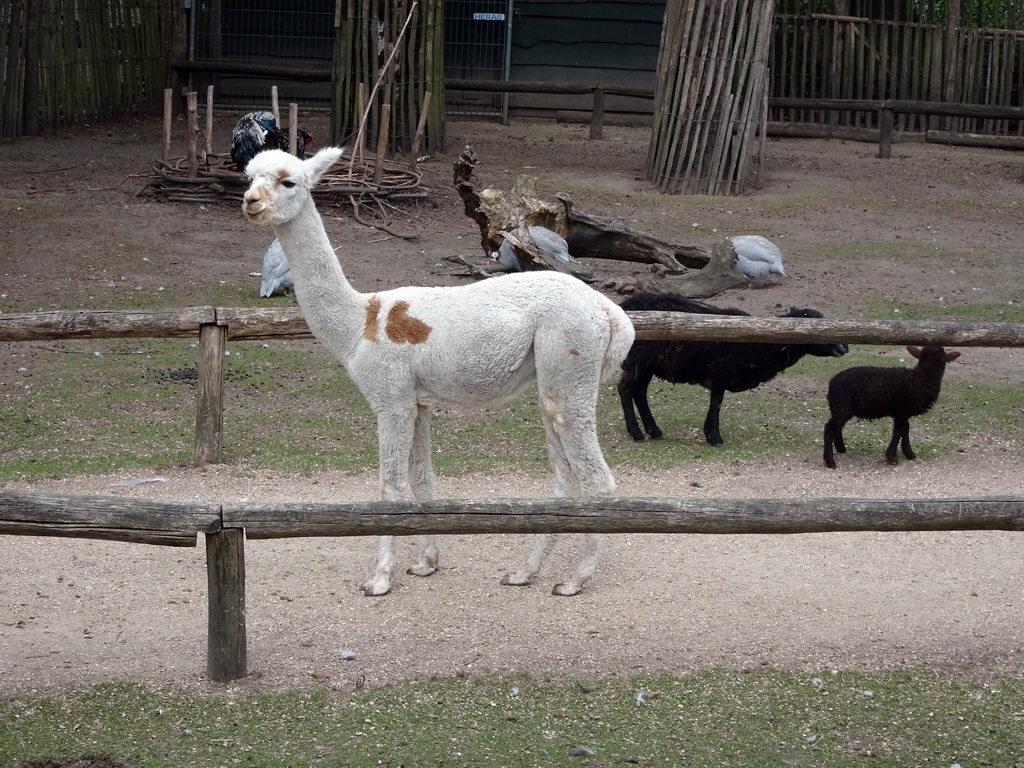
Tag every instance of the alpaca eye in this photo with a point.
(288, 183)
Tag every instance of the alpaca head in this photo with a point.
(282, 183)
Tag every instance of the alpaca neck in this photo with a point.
(333, 309)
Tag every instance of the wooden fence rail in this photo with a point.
(215, 326)
(227, 526)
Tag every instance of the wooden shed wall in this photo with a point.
(613, 42)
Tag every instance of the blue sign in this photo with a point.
(488, 17)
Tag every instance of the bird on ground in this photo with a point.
(757, 257)
(277, 273)
(257, 131)
(550, 243)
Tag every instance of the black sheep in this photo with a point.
(872, 392)
(719, 366)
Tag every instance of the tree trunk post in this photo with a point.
(209, 448)
(226, 655)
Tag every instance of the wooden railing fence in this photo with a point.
(227, 526)
(216, 326)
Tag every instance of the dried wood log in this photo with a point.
(719, 275)
(595, 238)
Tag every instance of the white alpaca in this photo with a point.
(474, 345)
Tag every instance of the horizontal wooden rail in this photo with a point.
(623, 515)
(109, 518)
(105, 324)
(263, 323)
(39, 514)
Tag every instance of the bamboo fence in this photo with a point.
(711, 97)
(66, 61)
(389, 54)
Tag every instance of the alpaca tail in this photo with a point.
(620, 339)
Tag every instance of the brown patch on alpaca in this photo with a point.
(403, 329)
(372, 323)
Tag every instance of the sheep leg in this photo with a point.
(904, 429)
(711, 432)
(421, 476)
(897, 434)
(633, 388)
(833, 437)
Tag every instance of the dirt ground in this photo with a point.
(932, 225)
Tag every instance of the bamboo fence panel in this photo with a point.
(71, 60)
(392, 45)
(712, 79)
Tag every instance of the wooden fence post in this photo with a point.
(209, 448)
(885, 123)
(225, 574)
(597, 115)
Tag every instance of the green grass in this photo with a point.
(765, 718)
(106, 406)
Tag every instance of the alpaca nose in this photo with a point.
(252, 201)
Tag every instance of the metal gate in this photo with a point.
(477, 46)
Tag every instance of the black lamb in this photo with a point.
(871, 392)
(719, 366)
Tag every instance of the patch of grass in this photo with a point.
(716, 717)
(1009, 311)
(107, 406)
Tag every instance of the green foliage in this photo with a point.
(716, 717)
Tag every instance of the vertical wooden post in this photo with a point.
(597, 116)
(209, 448)
(209, 120)
(191, 99)
(421, 128)
(226, 656)
(885, 122)
(165, 154)
(382, 143)
(293, 128)
(274, 105)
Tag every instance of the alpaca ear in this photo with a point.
(951, 356)
(322, 160)
(915, 352)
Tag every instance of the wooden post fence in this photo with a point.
(215, 326)
(227, 526)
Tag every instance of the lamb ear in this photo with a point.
(915, 352)
(322, 160)
(951, 356)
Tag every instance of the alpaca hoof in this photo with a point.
(515, 580)
(566, 590)
(657, 436)
(422, 570)
(373, 589)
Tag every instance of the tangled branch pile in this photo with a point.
(216, 180)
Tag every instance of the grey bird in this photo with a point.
(757, 257)
(276, 273)
(551, 243)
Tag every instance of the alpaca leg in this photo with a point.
(584, 570)
(421, 474)
(633, 389)
(395, 436)
(545, 541)
(571, 427)
(525, 575)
